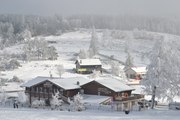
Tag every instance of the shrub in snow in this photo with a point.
(95, 74)
(3, 96)
(9, 65)
(56, 102)
(129, 61)
(38, 103)
(22, 98)
(116, 70)
(78, 103)
(142, 34)
(14, 64)
(15, 79)
(51, 53)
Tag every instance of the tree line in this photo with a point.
(13, 27)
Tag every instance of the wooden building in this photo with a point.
(44, 87)
(88, 65)
(108, 87)
(137, 73)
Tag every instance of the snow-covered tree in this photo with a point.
(105, 38)
(38, 103)
(56, 101)
(36, 49)
(51, 53)
(78, 103)
(118, 71)
(3, 96)
(115, 68)
(82, 54)
(93, 48)
(22, 97)
(129, 61)
(164, 70)
(24, 35)
(95, 74)
(60, 70)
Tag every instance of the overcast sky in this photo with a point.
(110, 7)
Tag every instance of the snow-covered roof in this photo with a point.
(114, 84)
(89, 61)
(65, 83)
(70, 83)
(35, 81)
(139, 69)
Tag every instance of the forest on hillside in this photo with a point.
(15, 28)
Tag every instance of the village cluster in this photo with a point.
(79, 93)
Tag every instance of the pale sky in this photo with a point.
(107, 7)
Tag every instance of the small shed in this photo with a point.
(88, 65)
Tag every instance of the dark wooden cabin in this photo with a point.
(108, 87)
(42, 88)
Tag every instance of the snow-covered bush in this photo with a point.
(118, 71)
(39, 49)
(22, 98)
(51, 53)
(9, 65)
(78, 103)
(56, 102)
(142, 34)
(3, 96)
(95, 74)
(15, 79)
(60, 70)
(38, 103)
(118, 35)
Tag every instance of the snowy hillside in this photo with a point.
(138, 43)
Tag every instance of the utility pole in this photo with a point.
(153, 97)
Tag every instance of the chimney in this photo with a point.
(50, 74)
(77, 83)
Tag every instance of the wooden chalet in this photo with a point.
(108, 87)
(120, 93)
(42, 88)
(137, 73)
(88, 65)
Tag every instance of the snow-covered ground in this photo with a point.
(67, 46)
(39, 114)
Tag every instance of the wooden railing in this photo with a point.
(133, 97)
